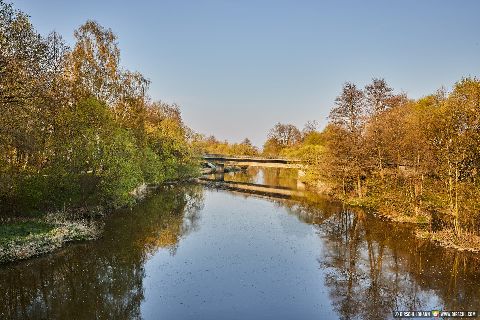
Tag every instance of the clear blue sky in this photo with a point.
(238, 67)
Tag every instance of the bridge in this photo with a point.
(219, 161)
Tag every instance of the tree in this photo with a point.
(246, 142)
(31, 95)
(377, 95)
(245, 148)
(286, 135)
(455, 136)
(281, 136)
(94, 62)
(310, 126)
(75, 127)
(349, 109)
(348, 115)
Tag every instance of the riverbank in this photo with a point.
(422, 223)
(30, 236)
(23, 238)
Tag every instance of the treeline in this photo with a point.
(76, 128)
(286, 140)
(210, 145)
(418, 159)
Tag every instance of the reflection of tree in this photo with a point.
(101, 279)
(313, 209)
(179, 217)
(248, 176)
(280, 177)
(373, 269)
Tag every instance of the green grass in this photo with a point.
(22, 240)
(18, 230)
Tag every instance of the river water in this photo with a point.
(193, 252)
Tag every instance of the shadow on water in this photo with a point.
(242, 257)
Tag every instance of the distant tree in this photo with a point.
(349, 108)
(378, 95)
(286, 135)
(309, 127)
(271, 148)
(246, 142)
(245, 148)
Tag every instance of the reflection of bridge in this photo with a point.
(219, 161)
(253, 188)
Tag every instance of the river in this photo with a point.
(194, 252)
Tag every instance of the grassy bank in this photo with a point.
(26, 238)
(23, 237)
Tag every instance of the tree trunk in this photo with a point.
(359, 186)
(456, 211)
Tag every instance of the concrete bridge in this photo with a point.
(219, 161)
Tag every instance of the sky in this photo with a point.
(238, 67)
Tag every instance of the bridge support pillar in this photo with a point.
(219, 167)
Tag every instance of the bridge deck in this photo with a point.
(247, 159)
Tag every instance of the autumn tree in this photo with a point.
(348, 115)
(309, 127)
(379, 98)
(94, 63)
(378, 95)
(349, 109)
(32, 92)
(281, 136)
(455, 137)
(246, 148)
(76, 128)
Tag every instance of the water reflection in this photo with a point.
(190, 253)
(376, 267)
(101, 279)
(373, 267)
(265, 176)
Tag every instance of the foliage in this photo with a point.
(281, 136)
(77, 129)
(413, 160)
(211, 145)
(286, 140)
